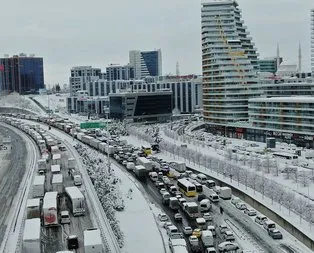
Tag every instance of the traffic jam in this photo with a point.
(192, 216)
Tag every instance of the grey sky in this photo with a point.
(100, 32)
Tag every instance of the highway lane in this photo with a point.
(13, 170)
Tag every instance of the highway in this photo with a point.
(12, 169)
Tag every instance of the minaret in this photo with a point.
(177, 69)
(300, 59)
(278, 56)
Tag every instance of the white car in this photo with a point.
(229, 236)
(250, 211)
(227, 246)
(65, 217)
(241, 205)
(163, 217)
(167, 224)
(178, 217)
(162, 191)
(187, 230)
(222, 228)
(207, 217)
(259, 219)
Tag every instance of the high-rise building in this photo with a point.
(269, 64)
(81, 75)
(145, 63)
(21, 73)
(229, 61)
(312, 39)
(119, 72)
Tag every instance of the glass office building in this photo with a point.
(22, 74)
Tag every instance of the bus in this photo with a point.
(76, 200)
(287, 156)
(186, 187)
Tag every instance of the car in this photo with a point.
(207, 217)
(250, 211)
(167, 224)
(228, 236)
(163, 217)
(241, 205)
(212, 229)
(162, 191)
(172, 230)
(275, 233)
(124, 162)
(182, 201)
(65, 217)
(161, 185)
(222, 228)
(227, 246)
(187, 230)
(211, 250)
(259, 219)
(157, 183)
(197, 232)
(178, 217)
(166, 180)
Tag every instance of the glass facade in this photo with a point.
(21, 74)
(151, 62)
(151, 105)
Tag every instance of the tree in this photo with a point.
(267, 163)
(58, 89)
(304, 178)
(289, 200)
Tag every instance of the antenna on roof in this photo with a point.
(177, 69)
(300, 59)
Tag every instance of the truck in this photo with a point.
(87, 139)
(33, 208)
(80, 135)
(56, 159)
(179, 166)
(54, 150)
(75, 200)
(145, 162)
(41, 164)
(174, 203)
(92, 241)
(94, 143)
(207, 238)
(57, 183)
(140, 171)
(225, 192)
(71, 163)
(50, 209)
(31, 236)
(39, 186)
(177, 243)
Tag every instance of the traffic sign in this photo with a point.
(86, 125)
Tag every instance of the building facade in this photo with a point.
(80, 75)
(120, 72)
(146, 63)
(269, 64)
(21, 73)
(141, 106)
(312, 39)
(229, 63)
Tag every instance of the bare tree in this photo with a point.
(267, 163)
(304, 178)
(289, 200)
(301, 207)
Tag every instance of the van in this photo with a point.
(268, 224)
(201, 223)
(153, 176)
(65, 217)
(205, 205)
(171, 230)
(173, 190)
(207, 238)
(212, 229)
(201, 178)
(210, 183)
(214, 197)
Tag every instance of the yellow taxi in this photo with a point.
(197, 232)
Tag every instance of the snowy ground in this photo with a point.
(22, 102)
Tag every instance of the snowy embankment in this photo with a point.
(106, 186)
(15, 100)
(268, 192)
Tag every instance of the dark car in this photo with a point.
(275, 233)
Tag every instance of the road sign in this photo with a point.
(86, 125)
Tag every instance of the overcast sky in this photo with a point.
(99, 32)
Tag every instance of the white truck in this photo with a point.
(50, 209)
(56, 159)
(33, 208)
(145, 162)
(55, 169)
(57, 183)
(140, 171)
(180, 166)
(39, 187)
(177, 243)
(76, 200)
(207, 238)
(55, 150)
(31, 236)
(225, 192)
(92, 241)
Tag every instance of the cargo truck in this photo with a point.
(180, 166)
(50, 209)
(92, 241)
(31, 236)
(57, 183)
(55, 169)
(145, 162)
(56, 159)
(225, 192)
(140, 171)
(75, 200)
(39, 187)
(41, 166)
(33, 208)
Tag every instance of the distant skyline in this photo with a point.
(68, 33)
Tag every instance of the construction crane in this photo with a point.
(233, 54)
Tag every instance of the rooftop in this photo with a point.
(296, 99)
